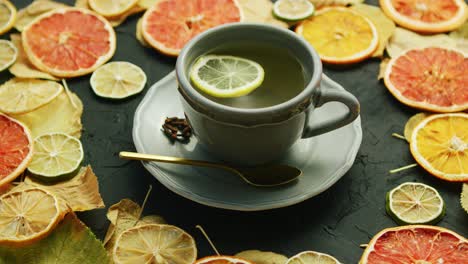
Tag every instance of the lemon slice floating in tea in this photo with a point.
(415, 203)
(56, 156)
(226, 76)
(293, 10)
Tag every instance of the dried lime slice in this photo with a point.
(293, 10)
(8, 54)
(415, 203)
(312, 257)
(226, 76)
(56, 156)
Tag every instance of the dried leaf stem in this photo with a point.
(208, 238)
(404, 168)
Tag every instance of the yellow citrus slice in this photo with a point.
(8, 54)
(19, 96)
(28, 215)
(7, 16)
(440, 145)
(154, 243)
(111, 8)
(312, 257)
(427, 16)
(340, 35)
(118, 80)
(222, 260)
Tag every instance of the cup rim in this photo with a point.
(214, 107)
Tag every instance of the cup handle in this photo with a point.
(332, 95)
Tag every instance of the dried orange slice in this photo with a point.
(418, 244)
(170, 24)
(340, 35)
(440, 145)
(69, 42)
(111, 8)
(154, 243)
(28, 215)
(427, 16)
(7, 16)
(432, 79)
(16, 149)
(222, 260)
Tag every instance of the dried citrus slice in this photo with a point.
(440, 145)
(170, 24)
(415, 203)
(7, 16)
(32, 11)
(293, 10)
(426, 15)
(57, 155)
(118, 80)
(340, 35)
(111, 8)
(412, 123)
(28, 215)
(312, 257)
(222, 260)
(226, 76)
(16, 148)
(418, 244)
(19, 96)
(69, 42)
(430, 78)
(154, 243)
(8, 54)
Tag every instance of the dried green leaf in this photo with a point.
(383, 68)
(464, 197)
(384, 25)
(321, 3)
(262, 257)
(71, 242)
(403, 40)
(32, 11)
(259, 11)
(412, 123)
(81, 192)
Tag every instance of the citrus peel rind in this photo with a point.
(439, 144)
(75, 49)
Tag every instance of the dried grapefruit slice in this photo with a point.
(69, 42)
(432, 79)
(340, 35)
(16, 149)
(7, 16)
(440, 145)
(419, 244)
(426, 15)
(222, 260)
(170, 24)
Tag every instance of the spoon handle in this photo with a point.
(176, 160)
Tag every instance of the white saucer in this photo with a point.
(323, 159)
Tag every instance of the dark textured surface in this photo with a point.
(335, 222)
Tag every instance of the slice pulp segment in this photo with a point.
(7, 16)
(16, 149)
(69, 42)
(418, 244)
(170, 24)
(8, 54)
(432, 78)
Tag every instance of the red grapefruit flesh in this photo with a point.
(416, 244)
(69, 42)
(433, 79)
(16, 149)
(170, 24)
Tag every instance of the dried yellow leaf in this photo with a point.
(412, 123)
(403, 40)
(262, 257)
(321, 3)
(139, 34)
(22, 68)
(384, 25)
(35, 9)
(383, 68)
(259, 11)
(63, 114)
(81, 192)
(464, 197)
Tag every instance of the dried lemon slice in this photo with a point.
(154, 244)
(8, 54)
(440, 145)
(117, 80)
(28, 215)
(111, 8)
(7, 16)
(19, 96)
(312, 257)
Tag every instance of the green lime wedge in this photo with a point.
(226, 76)
(56, 156)
(415, 203)
(293, 10)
